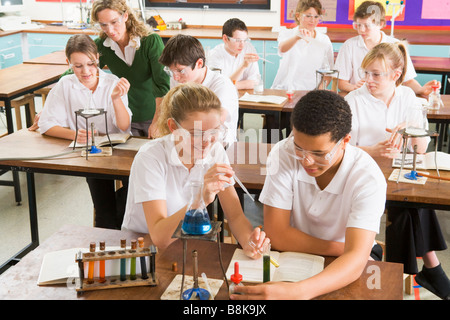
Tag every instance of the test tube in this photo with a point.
(102, 263)
(143, 260)
(123, 262)
(91, 265)
(272, 260)
(266, 263)
(133, 262)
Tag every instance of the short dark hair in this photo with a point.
(183, 50)
(320, 112)
(232, 25)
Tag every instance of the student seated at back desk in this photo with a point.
(184, 59)
(368, 20)
(88, 86)
(303, 49)
(236, 57)
(383, 103)
(321, 196)
(190, 150)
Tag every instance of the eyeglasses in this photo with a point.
(376, 76)
(79, 66)
(172, 73)
(114, 24)
(310, 16)
(239, 40)
(210, 135)
(319, 158)
(367, 26)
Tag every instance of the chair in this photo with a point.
(27, 101)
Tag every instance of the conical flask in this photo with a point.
(196, 220)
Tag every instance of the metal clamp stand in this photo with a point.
(212, 235)
(86, 115)
(405, 137)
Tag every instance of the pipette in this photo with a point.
(272, 260)
(243, 187)
(265, 60)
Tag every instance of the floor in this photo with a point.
(66, 200)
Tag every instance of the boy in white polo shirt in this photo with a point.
(236, 57)
(368, 20)
(184, 59)
(321, 196)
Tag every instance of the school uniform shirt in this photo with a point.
(352, 53)
(220, 58)
(227, 94)
(70, 95)
(371, 116)
(157, 173)
(355, 197)
(298, 65)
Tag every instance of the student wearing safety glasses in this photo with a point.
(368, 20)
(321, 196)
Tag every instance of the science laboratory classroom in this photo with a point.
(224, 150)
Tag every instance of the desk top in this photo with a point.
(23, 77)
(443, 113)
(56, 57)
(431, 64)
(19, 281)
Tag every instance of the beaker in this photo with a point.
(416, 120)
(326, 76)
(196, 220)
(434, 99)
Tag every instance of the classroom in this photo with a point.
(195, 150)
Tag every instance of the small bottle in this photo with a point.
(133, 262)
(290, 92)
(123, 262)
(102, 263)
(91, 265)
(434, 99)
(196, 220)
(259, 86)
(236, 279)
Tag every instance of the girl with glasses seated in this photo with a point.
(303, 50)
(190, 149)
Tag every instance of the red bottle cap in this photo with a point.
(236, 277)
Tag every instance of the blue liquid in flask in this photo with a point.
(196, 222)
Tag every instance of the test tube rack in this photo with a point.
(111, 282)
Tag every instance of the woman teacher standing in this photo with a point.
(130, 50)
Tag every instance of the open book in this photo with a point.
(262, 98)
(100, 141)
(424, 161)
(294, 266)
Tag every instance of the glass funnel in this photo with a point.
(196, 220)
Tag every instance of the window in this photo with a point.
(208, 4)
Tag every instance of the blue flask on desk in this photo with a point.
(196, 220)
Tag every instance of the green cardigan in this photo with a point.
(146, 75)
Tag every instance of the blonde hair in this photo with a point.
(303, 5)
(135, 27)
(392, 55)
(184, 99)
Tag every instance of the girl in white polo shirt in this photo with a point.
(383, 103)
(303, 49)
(321, 196)
(368, 20)
(189, 150)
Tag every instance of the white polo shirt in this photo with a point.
(352, 53)
(220, 58)
(298, 65)
(371, 116)
(158, 174)
(70, 95)
(227, 94)
(354, 198)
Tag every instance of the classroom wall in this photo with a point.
(212, 17)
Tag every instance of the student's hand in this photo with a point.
(359, 84)
(249, 58)
(258, 237)
(428, 88)
(270, 291)
(215, 180)
(83, 136)
(121, 89)
(304, 34)
(385, 149)
(35, 124)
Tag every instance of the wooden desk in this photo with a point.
(20, 281)
(434, 65)
(442, 119)
(56, 57)
(25, 78)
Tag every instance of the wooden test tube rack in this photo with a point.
(114, 281)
